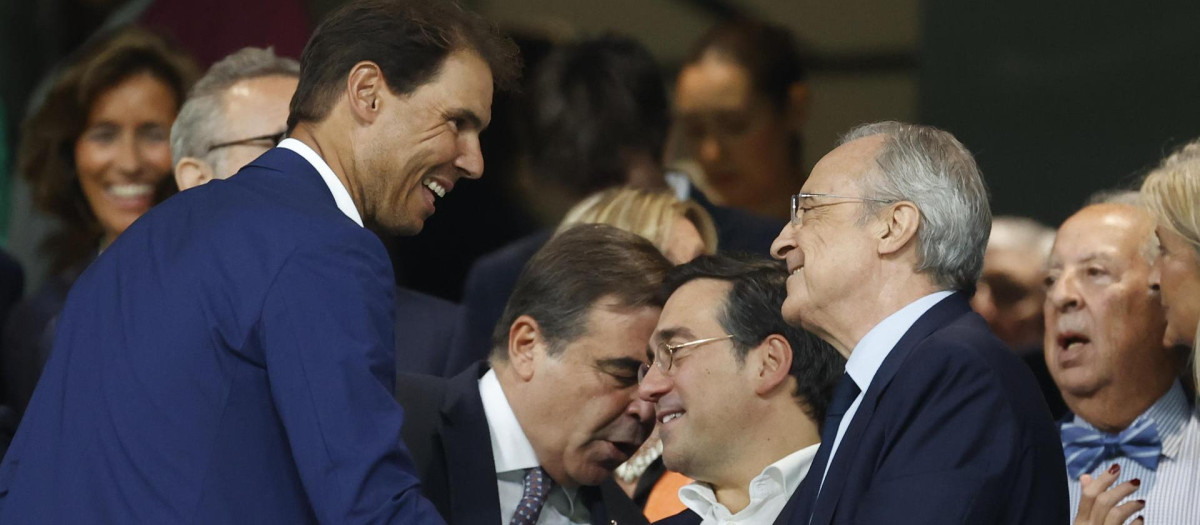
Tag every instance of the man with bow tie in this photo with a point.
(1132, 441)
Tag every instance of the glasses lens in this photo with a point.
(643, 369)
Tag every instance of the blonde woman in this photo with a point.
(1172, 193)
(682, 230)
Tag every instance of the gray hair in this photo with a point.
(202, 114)
(931, 169)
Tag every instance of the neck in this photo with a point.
(315, 136)
(783, 431)
(879, 301)
(1113, 409)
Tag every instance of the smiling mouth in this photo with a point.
(671, 417)
(436, 188)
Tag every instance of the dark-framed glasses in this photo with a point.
(269, 141)
(664, 354)
(798, 206)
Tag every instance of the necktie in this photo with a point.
(537, 486)
(1087, 447)
(844, 395)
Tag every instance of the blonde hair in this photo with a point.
(1172, 193)
(650, 214)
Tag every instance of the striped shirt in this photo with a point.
(1172, 492)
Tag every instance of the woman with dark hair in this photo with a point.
(97, 155)
(740, 101)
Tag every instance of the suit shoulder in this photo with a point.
(687, 517)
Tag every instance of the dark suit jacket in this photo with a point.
(951, 430)
(447, 431)
(227, 359)
(425, 328)
(492, 278)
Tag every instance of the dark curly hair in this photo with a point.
(46, 155)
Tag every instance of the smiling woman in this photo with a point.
(97, 155)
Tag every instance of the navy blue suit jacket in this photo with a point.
(447, 432)
(229, 359)
(952, 429)
(492, 278)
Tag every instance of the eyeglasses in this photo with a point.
(664, 354)
(798, 210)
(274, 138)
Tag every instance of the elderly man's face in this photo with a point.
(830, 252)
(253, 109)
(1011, 293)
(423, 143)
(1104, 325)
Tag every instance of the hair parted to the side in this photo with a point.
(562, 282)
(408, 39)
(46, 154)
(1172, 193)
(202, 117)
(752, 311)
(933, 170)
(649, 213)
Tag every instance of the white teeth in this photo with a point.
(125, 191)
(671, 417)
(436, 188)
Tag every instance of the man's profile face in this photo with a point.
(701, 402)
(423, 143)
(256, 107)
(588, 396)
(1104, 325)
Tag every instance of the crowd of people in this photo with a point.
(222, 339)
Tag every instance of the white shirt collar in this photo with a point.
(510, 448)
(769, 491)
(874, 347)
(340, 196)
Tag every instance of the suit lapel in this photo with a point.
(935, 318)
(470, 465)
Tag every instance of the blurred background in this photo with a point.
(1056, 101)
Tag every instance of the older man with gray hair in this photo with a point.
(237, 111)
(935, 420)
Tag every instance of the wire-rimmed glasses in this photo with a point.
(664, 354)
(798, 210)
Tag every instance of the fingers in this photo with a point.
(1091, 488)
(1122, 512)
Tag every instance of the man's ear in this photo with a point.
(774, 360)
(191, 172)
(525, 346)
(900, 222)
(365, 87)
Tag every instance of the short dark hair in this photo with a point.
(408, 39)
(562, 282)
(769, 53)
(46, 155)
(751, 312)
(591, 106)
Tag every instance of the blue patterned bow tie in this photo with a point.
(1087, 447)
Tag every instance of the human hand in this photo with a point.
(1098, 502)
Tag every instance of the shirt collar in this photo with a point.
(341, 197)
(785, 474)
(510, 447)
(873, 348)
(1169, 414)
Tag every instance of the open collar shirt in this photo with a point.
(769, 492)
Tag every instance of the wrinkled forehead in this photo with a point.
(1110, 232)
(843, 170)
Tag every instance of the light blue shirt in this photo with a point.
(870, 352)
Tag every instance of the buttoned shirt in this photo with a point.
(769, 492)
(1172, 491)
(514, 455)
(869, 353)
(341, 197)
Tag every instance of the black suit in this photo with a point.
(424, 332)
(446, 430)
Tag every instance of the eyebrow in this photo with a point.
(468, 116)
(619, 363)
(666, 334)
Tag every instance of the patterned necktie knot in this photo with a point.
(537, 487)
(1086, 447)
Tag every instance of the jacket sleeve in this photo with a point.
(326, 331)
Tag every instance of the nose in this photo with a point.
(1064, 295)
(654, 386)
(470, 158)
(641, 409)
(128, 155)
(710, 148)
(784, 243)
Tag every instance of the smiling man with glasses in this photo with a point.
(738, 392)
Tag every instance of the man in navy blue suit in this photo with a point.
(229, 359)
(935, 420)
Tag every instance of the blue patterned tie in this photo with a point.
(1087, 447)
(537, 486)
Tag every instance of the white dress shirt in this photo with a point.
(869, 353)
(514, 455)
(769, 492)
(341, 197)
